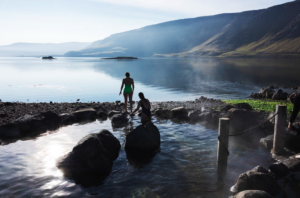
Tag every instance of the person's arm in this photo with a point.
(122, 86)
(132, 86)
(137, 108)
(295, 111)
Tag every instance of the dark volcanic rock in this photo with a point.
(194, 115)
(279, 169)
(292, 140)
(163, 113)
(143, 138)
(119, 120)
(102, 115)
(85, 114)
(226, 108)
(179, 113)
(292, 164)
(92, 157)
(241, 119)
(257, 181)
(112, 113)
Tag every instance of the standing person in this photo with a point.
(295, 99)
(128, 91)
(146, 106)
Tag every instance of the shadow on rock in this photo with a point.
(140, 159)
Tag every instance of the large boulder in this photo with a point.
(257, 181)
(279, 169)
(226, 108)
(179, 113)
(143, 138)
(241, 119)
(280, 95)
(253, 194)
(163, 113)
(119, 120)
(267, 93)
(269, 125)
(292, 164)
(194, 115)
(85, 114)
(92, 157)
(291, 141)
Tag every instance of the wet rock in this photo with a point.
(9, 130)
(119, 120)
(241, 119)
(92, 157)
(257, 181)
(243, 106)
(260, 169)
(267, 142)
(67, 118)
(85, 114)
(102, 115)
(291, 141)
(143, 138)
(163, 113)
(194, 115)
(81, 107)
(112, 113)
(253, 194)
(279, 169)
(179, 113)
(269, 125)
(292, 164)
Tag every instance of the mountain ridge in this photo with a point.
(270, 32)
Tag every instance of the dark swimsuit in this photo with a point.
(145, 111)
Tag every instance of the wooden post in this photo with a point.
(279, 129)
(223, 143)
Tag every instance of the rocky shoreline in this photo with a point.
(19, 120)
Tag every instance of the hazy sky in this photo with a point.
(56, 21)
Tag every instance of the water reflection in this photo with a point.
(161, 79)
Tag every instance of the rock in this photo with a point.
(243, 106)
(256, 95)
(67, 118)
(267, 93)
(119, 120)
(271, 87)
(112, 113)
(253, 194)
(269, 125)
(38, 123)
(205, 117)
(163, 113)
(118, 101)
(279, 95)
(92, 157)
(194, 115)
(9, 130)
(257, 181)
(81, 107)
(226, 108)
(293, 164)
(267, 142)
(85, 114)
(279, 169)
(260, 169)
(143, 138)
(241, 119)
(179, 113)
(102, 115)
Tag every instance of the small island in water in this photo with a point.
(122, 57)
(48, 57)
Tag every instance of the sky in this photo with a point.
(58, 21)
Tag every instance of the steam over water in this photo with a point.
(186, 163)
(95, 79)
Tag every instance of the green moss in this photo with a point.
(263, 104)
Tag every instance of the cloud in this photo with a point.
(197, 7)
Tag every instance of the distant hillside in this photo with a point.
(40, 49)
(269, 32)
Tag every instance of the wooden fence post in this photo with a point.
(279, 129)
(223, 143)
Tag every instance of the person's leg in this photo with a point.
(130, 101)
(125, 98)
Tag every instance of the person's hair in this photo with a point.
(127, 74)
(141, 95)
(292, 97)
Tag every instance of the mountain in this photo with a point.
(274, 31)
(40, 49)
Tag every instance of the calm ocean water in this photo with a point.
(95, 79)
(186, 163)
